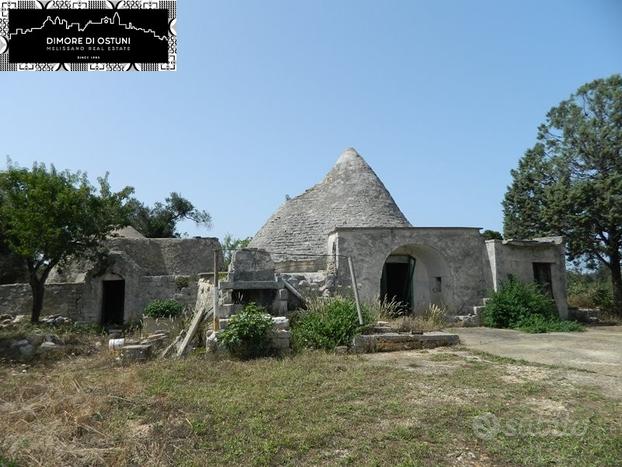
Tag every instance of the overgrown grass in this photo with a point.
(312, 409)
(327, 323)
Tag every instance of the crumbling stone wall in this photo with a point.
(62, 299)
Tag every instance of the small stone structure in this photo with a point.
(136, 271)
(252, 278)
(304, 247)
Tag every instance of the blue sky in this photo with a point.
(440, 97)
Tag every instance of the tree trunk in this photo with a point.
(38, 290)
(616, 281)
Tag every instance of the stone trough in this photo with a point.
(395, 341)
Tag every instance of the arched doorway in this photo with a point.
(416, 276)
(397, 282)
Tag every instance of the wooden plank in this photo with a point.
(293, 290)
(356, 291)
(199, 316)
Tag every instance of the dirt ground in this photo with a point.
(597, 351)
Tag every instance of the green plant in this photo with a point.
(181, 282)
(247, 333)
(163, 309)
(540, 324)
(518, 305)
(590, 291)
(327, 323)
(515, 301)
(383, 309)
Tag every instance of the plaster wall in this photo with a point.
(454, 254)
(507, 258)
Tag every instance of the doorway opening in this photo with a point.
(397, 283)
(113, 300)
(542, 276)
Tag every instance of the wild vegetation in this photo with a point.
(161, 220)
(523, 306)
(442, 407)
(570, 182)
(167, 308)
(247, 333)
(48, 216)
(327, 323)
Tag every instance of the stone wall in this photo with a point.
(62, 299)
(516, 258)
(454, 254)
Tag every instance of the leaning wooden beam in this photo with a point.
(199, 316)
(293, 290)
(167, 350)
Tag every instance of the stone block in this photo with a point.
(391, 342)
(135, 353)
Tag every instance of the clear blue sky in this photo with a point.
(440, 97)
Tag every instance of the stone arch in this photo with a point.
(429, 276)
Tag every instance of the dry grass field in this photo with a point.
(441, 407)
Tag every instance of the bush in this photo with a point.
(539, 324)
(515, 301)
(163, 309)
(589, 291)
(327, 323)
(523, 306)
(247, 334)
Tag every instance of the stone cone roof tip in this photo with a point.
(351, 195)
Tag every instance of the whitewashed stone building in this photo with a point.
(351, 214)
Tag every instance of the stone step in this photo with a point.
(467, 321)
(395, 341)
(477, 310)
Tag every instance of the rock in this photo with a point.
(135, 353)
(36, 340)
(26, 350)
(281, 339)
(211, 342)
(20, 318)
(20, 343)
(341, 349)
(280, 323)
(5, 316)
(54, 339)
(45, 346)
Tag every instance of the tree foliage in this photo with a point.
(230, 244)
(492, 235)
(570, 182)
(160, 221)
(48, 217)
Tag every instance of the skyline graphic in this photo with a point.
(114, 21)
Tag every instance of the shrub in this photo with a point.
(327, 323)
(386, 309)
(515, 301)
(181, 282)
(585, 291)
(163, 309)
(539, 324)
(247, 334)
(523, 306)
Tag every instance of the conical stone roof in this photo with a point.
(351, 195)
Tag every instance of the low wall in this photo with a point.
(59, 299)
